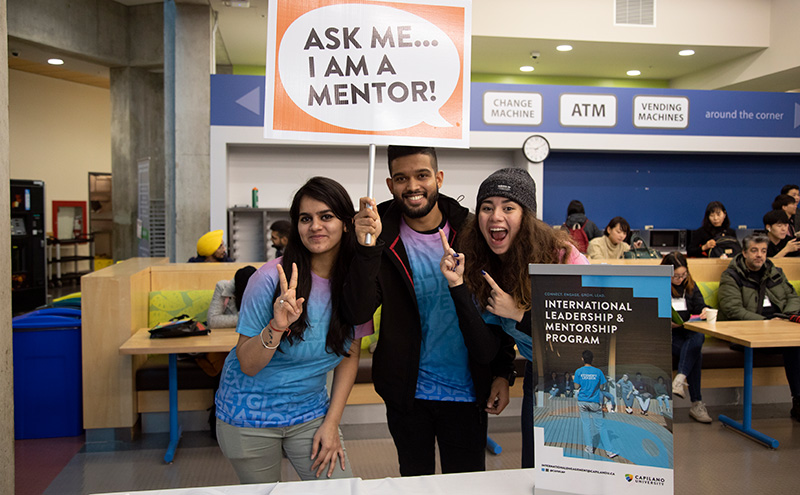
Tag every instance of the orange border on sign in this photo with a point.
(287, 116)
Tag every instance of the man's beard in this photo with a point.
(423, 210)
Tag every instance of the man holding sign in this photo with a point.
(435, 391)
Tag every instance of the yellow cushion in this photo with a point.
(711, 296)
(710, 293)
(167, 304)
(376, 321)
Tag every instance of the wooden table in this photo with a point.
(752, 334)
(219, 340)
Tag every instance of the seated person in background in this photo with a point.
(660, 388)
(581, 229)
(280, 235)
(569, 385)
(781, 244)
(643, 393)
(716, 225)
(210, 248)
(787, 204)
(749, 275)
(611, 245)
(626, 392)
(223, 311)
(554, 385)
(687, 300)
(793, 190)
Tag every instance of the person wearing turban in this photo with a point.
(210, 248)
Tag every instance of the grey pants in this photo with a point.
(256, 453)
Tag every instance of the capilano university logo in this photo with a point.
(645, 480)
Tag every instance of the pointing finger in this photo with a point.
(491, 282)
(445, 244)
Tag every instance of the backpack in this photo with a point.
(578, 236)
(726, 245)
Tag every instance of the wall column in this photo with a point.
(193, 45)
(6, 337)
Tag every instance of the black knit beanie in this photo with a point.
(515, 184)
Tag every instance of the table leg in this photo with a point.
(746, 426)
(174, 427)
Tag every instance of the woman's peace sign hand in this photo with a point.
(452, 264)
(501, 303)
(286, 309)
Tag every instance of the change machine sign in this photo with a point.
(602, 350)
(369, 72)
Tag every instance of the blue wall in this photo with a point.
(666, 191)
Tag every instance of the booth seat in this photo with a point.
(723, 366)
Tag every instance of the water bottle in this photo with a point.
(255, 197)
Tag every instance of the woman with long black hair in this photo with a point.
(273, 397)
(686, 344)
(716, 226)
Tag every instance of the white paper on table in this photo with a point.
(347, 486)
(505, 482)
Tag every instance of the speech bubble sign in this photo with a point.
(368, 67)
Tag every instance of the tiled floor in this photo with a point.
(709, 459)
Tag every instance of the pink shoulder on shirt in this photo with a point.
(575, 257)
(364, 329)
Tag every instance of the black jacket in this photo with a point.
(702, 236)
(382, 275)
(694, 302)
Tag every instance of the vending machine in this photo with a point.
(28, 249)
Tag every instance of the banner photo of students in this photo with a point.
(602, 350)
(369, 72)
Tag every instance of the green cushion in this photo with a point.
(167, 304)
(709, 291)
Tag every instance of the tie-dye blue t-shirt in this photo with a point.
(291, 389)
(523, 340)
(443, 362)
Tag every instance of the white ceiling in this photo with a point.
(242, 32)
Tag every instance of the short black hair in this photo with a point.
(788, 187)
(575, 206)
(394, 152)
(282, 227)
(782, 200)
(775, 216)
(623, 224)
(587, 356)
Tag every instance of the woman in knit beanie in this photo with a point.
(504, 237)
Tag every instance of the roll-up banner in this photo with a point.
(602, 350)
